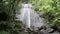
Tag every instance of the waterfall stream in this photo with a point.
(30, 18)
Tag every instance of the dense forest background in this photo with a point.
(8, 8)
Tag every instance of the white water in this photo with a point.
(30, 18)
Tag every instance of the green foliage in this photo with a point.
(51, 9)
(9, 8)
(4, 32)
(11, 27)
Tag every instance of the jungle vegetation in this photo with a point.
(8, 9)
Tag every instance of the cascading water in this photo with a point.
(30, 18)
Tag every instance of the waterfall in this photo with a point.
(28, 19)
(31, 18)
